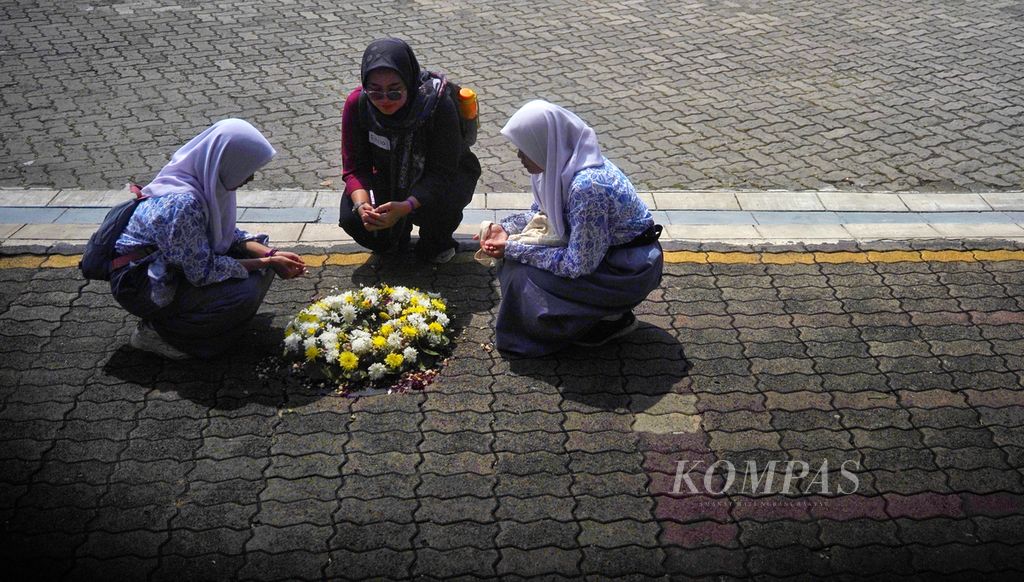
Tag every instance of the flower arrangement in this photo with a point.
(370, 336)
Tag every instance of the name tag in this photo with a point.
(380, 141)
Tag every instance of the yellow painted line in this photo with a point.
(790, 258)
(313, 260)
(685, 257)
(840, 257)
(671, 257)
(61, 261)
(346, 259)
(21, 261)
(998, 255)
(948, 256)
(735, 258)
(894, 256)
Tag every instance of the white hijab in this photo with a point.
(562, 143)
(221, 157)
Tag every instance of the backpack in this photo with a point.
(467, 126)
(98, 258)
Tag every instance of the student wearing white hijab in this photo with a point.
(193, 277)
(583, 292)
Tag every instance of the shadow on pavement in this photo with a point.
(634, 373)
(247, 374)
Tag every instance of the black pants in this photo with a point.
(437, 221)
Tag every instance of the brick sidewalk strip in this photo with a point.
(39, 219)
(903, 366)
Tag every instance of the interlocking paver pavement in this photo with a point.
(792, 94)
(903, 367)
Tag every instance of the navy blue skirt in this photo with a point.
(542, 313)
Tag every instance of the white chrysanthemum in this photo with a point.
(293, 342)
(334, 301)
(309, 327)
(316, 311)
(442, 319)
(376, 371)
(423, 328)
(309, 342)
(372, 295)
(409, 354)
(395, 340)
(415, 319)
(348, 313)
(329, 339)
(361, 345)
(332, 355)
(400, 294)
(395, 309)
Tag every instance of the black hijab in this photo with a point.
(391, 53)
(423, 92)
(395, 54)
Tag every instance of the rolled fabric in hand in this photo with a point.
(480, 256)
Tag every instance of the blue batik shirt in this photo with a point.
(602, 209)
(175, 225)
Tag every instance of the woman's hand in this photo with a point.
(387, 214)
(493, 243)
(287, 265)
(372, 220)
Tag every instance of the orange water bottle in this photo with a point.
(469, 111)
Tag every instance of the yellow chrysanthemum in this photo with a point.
(435, 327)
(438, 305)
(384, 315)
(350, 300)
(410, 331)
(367, 303)
(411, 310)
(379, 342)
(414, 301)
(386, 329)
(394, 360)
(312, 352)
(348, 360)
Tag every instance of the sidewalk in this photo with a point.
(41, 218)
(898, 361)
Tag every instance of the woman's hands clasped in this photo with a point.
(493, 241)
(384, 216)
(287, 265)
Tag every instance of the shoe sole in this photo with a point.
(622, 332)
(135, 342)
(438, 260)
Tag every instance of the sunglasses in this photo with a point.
(381, 95)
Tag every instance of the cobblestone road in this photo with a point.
(116, 465)
(867, 94)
